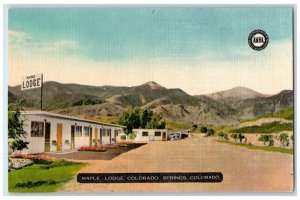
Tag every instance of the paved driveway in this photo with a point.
(89, 155)
(244, 170)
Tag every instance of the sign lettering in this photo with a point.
(33, 81)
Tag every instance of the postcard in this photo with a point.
(150, 99)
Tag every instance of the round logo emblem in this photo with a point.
(258, 40)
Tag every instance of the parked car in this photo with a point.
(184, 135)
(174, 136)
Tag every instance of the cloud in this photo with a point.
(15, 36)
(267, 71)
(21, 42)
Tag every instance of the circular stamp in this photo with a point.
(258, 40)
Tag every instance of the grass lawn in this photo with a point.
(42, 178)
(253, 147)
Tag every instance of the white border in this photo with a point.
(53, 3)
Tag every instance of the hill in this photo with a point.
(227, 107)
(250, 108)
(235, 94)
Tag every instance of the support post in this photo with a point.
(42, 94)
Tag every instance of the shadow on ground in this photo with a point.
(89, 155)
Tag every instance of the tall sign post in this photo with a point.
(31, 82)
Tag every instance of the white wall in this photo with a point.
(37, 144)
(151, 134)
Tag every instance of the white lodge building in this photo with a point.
(146, 135)
(53, 132)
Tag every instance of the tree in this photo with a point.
(234, 136)
(139, 118)
(266, 138)
(130, 119)
(225, 136)
(146, 116)
(203, 129)
(210, 132)
(221, 135)
(241, 137)
(16, 132)
(271, 142)
(194, 127)
(156, 122)
(283, 138)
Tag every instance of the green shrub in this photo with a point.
(266, 138)
(234, 136)
(210, 132)
(283, 138)
(221, 135)
(225, 136)
(131, 136)
(271, 143)
(123, 137)
(203, 129)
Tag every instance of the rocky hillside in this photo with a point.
(249, 108)
(224, 107)
(235, 94)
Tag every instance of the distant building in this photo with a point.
(48, 132)
(147, 135)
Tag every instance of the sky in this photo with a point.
(200, 50)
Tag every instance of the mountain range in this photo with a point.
(224, 107)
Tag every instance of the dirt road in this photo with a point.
(244, 170)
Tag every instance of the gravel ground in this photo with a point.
(244, 170)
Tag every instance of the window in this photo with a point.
(116, 133)
(78, 131)
(37, 129)
(157, 133)
(86, 131)
(104, 132)
(144, 133)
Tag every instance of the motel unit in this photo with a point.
(49, 132)
(147, 135)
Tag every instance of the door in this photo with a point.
(164, 136)
(101, 135)
(47, 137)
(116, 134)
(59, 137)
(72, 137)
(96, 136)
(109, 132)
(91, 136)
